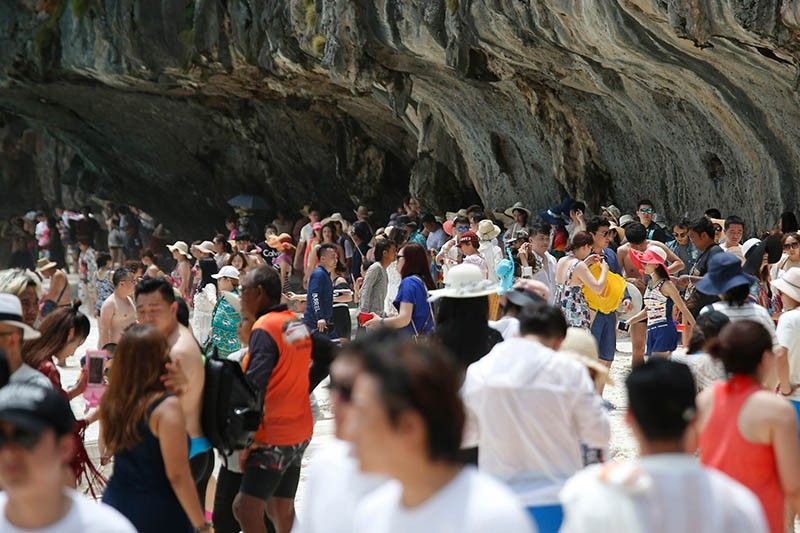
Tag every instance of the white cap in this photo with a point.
(227, 272)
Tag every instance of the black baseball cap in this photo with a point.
(35, 408)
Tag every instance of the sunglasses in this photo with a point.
(646, 210)
(462, 229)
(22, 438)
(604, 233)
(344, 390)
(681, 235)
(791, 245)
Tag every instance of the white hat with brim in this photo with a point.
(11, 314)
(635, 297)
(336, 217)
(789, 284)
(624, 220)
(517, 207)
(465, 281)
(207, 247)
(181, 247)
(749, 244)
(227, 271)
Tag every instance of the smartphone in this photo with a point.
(95, 364)
(623, 326)
(96, 382)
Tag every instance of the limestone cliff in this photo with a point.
(177, 104)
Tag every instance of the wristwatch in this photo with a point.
(204, 527)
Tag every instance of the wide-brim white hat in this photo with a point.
(207, 247)
(636, 302)
(517, 207)
(227, 271)
(11, 314)
(181, 247)
(336, 217)
(465, 281)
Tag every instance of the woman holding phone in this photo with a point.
(572, 273)
(144, 429)
(62, 332)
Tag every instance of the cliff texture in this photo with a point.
(176, 105)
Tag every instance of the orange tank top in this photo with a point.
(287, 406)
(723, 447)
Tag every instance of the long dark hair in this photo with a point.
(134, 380)
(789, 222)
(208, 267)
(54, 331)
(462, 326)
(416, 263)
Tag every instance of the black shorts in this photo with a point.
(273, 471)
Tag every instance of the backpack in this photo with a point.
(232, 408)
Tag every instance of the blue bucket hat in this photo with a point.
(724, 273)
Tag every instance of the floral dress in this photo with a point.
(224, 325)
(573, 302)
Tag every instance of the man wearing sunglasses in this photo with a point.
(36, 442)
(682, 246)
(450, 254)
(646, 212)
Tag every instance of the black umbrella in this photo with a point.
(248, 201)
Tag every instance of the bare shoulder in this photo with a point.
(108, 305)
(187, 351)
(774, 407)
(169, 412)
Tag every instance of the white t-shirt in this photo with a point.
(470, 503)
(788, 334)
(666, 493)
(335, 483)
(84, 515)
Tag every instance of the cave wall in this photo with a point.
(177, 105)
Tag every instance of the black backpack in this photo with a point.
(232, 408)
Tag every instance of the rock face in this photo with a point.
(175, 105)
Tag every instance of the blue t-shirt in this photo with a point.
(319, 300)
(412, 290)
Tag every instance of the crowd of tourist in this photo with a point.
(467, 356)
